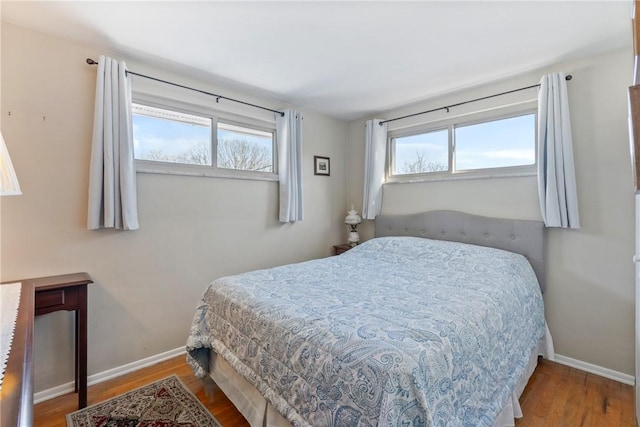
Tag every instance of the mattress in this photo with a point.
(397, 331)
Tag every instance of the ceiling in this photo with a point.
(346, 59)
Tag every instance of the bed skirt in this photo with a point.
(260, 413)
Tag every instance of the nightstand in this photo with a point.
(340, 249)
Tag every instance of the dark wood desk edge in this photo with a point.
(16, 402)
(62, 280)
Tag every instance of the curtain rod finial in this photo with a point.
(568, 77)
(91, 61)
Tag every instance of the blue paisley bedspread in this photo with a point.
(398, 331)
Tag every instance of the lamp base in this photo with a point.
(354, 238)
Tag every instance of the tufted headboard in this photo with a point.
(521, 236)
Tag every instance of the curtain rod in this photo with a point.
(218, 97)
(568, 77)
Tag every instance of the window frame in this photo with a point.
(173, 168)
(490, 115)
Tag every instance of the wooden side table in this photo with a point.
(342, 248)
(67, 292)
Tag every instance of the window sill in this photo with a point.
(458, 177)
(228, 175)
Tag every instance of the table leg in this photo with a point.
(81, 343)
(76, 354)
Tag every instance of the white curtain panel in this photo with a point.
(556, 170)
(375, 155)
(112, 179)
(289, 139)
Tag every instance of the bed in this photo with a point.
(438, 320)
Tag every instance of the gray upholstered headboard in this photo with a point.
(521, 236)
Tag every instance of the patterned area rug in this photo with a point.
(164, 403)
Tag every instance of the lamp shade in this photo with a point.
(9, 185)
(352, 218)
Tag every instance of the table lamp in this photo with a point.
(352, 220)
(9, 185)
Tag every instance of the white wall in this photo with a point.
(192, 229)
(590, 276)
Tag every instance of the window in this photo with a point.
(421, 153)
(486, 147)
(168, 139)
(244, 148)
(169, 136)
(496, 144)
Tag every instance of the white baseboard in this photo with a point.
(595, 369)
(43, 395)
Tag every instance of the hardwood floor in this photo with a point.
(52, 412)
(558, 395)
(555, 396)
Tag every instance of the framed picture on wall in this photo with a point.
(321, 166)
